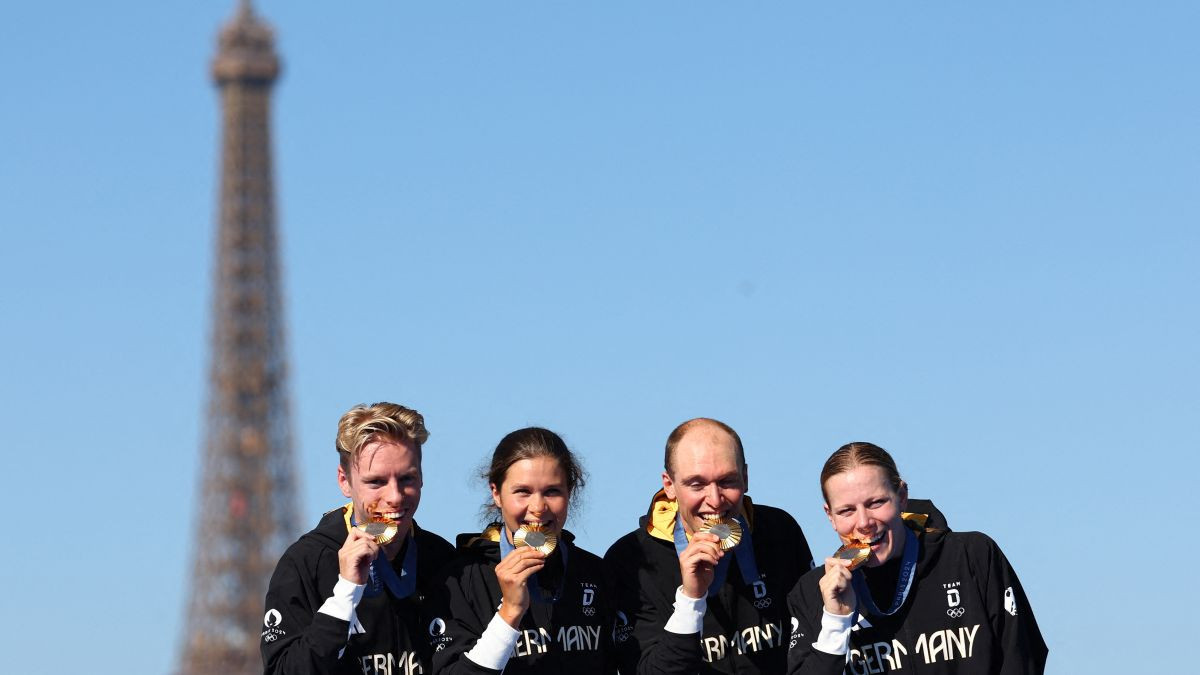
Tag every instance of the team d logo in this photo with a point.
(1010, 601)
(761, 600)
(954, 600)
(589, 596)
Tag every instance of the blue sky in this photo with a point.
(964, 232)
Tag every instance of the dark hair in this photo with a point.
(681, 431)
(529, 443)
(860, 453)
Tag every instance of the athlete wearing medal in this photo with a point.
(521, 597)
(924, 599)
(702, 582)
(346, 597)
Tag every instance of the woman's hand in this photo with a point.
(513, 574)
(698, 562)
(836, 589)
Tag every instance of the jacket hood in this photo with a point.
(926, 516)
(659, 521)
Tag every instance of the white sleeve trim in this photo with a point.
(346, 596)
(835, 633)
(688, 616)
(495, 646)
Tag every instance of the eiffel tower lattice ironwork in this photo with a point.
(247, 503)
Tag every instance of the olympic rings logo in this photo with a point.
(956, 612)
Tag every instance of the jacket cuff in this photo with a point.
(346, 595)
(688, 617)
(493, 648)
(835, 633)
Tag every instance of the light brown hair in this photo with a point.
(364, 424)
(860, 453)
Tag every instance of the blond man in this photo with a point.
(346, 597)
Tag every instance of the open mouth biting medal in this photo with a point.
(535, 536)
(381, 526)
(856, 552)
(728, 530)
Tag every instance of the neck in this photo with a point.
(899, 549)
(395, 546)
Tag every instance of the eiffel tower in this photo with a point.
(247, 502)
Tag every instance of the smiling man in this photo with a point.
(346, 597)
(702, 583)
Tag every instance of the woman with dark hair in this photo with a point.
(899, 595)
(521, 597)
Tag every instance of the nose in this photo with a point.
(537, 504)
(712, 496)
(392, 493)
(861, 521)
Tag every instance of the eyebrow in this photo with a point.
(697, 477)
(868, 500)
(368, 475)
(517, 486)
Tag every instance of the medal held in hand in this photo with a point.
(728, 530)
(532, 535)
(856, 552)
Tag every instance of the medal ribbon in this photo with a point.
(383, 574)
(535, 591)
(744, 552)
(908, 570)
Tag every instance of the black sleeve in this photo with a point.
(642, 646)
(795, 535)
(803, 550)
(1018, 638)
(608, 635)
(805, 608)
(462, 609)
(296, 638)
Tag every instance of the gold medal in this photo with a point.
(855, 552)
(728, 530)
(382, 529)
(534, 536)
(382, 526)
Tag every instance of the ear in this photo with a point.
(746, 478)
(903, 503)
(668, 485)
(829, 515)
(343, 481)
(495, 495)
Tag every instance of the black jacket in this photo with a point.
(966, 613)
(572, 635)
(299, 639)
(745, 626)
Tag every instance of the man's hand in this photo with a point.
(356, 555)
(513, 574)
(698, 562)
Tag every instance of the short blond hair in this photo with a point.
(364, 424)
